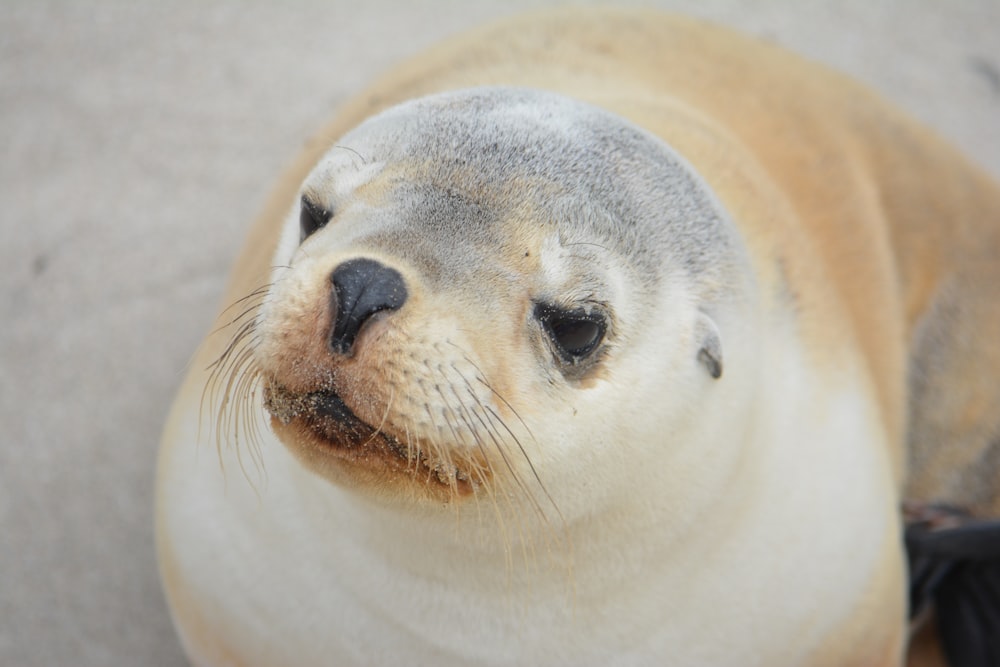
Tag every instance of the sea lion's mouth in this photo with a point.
(323, 420)
(325, 414)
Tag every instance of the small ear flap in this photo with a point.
(710, 350)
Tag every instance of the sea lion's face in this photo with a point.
(492, 291)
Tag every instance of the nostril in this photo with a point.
(362, 287)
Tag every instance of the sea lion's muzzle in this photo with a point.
(333, 393)
(360, 289)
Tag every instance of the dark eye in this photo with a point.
(574, 333)
(311, 218)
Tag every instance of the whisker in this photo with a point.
(232, 387)
(260, 291)
(361, 157)
(575, 243)
(459, 439)
(385, 414)
(442, 454)
(221, 366)
(481, 377)
(496, 438)
(494, 424)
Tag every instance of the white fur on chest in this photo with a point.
(300, 572)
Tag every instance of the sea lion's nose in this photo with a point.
(361, 288)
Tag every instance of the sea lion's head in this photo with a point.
(496, 291)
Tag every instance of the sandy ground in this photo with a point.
(138, 140)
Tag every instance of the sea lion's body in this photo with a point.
(752, 518)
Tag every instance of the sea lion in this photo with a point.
(591, 337)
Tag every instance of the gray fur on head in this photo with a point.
(475, 157)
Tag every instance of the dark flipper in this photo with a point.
(955, 568)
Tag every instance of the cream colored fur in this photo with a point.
(666, 517)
